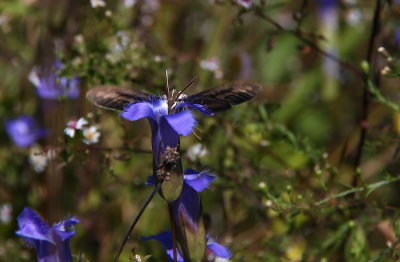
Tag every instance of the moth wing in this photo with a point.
(223, 97)
(114, 97)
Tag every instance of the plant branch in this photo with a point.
(366, 100)
(313, 45)
(156, 189)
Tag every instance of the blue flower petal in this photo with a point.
(149, 181)
(73, 90)
(51, 243)
(187, 207)
(138, 111)
(199, 181)
(182, 122)
(219, 250)
(165, 238)
(32, 226)
(64, 230)
(201, 108)
(23, 132)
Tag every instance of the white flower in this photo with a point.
(97, 3)
(245, 3)
(73, 125)
(129, 3)
(211, 63)
(34, 76)
(91, 135)
(221, 259)
(197, 151)
(38, 159)
(6, 213)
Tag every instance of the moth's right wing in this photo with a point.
(115, 97)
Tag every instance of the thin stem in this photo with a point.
(136, 220)
(173, 231)
(297, 34)
(365, 104)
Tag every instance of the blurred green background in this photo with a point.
(278, 158)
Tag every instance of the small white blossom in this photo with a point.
(6, 213)
(129, 3)
(108, 13)
(74, 125)
(245, 3)
(212, 64)
(34, 76)
(97, 3)
(38, 159)
(78, 39)
(221, 259)
(197, 151)
(91, 135)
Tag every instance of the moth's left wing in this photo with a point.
(223, 97)
(115, 97)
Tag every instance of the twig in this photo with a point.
(344, 64)
(365, 104)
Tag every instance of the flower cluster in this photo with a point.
(91, 134)
(212, 64)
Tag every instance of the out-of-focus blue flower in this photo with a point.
(23, 131)
(51, 242)
(397, 36)
(165, 238)
(166, 127)
(50, 86)
(326, 5)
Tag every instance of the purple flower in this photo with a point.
(165, 238)
(50, 86)
(245, 3)
(327, 5)
(397, 36)
(187, 207)
(23, 131)
(166, 124)
(51, 242)
(188, 219)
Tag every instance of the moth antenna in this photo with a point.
(198, 137)
(187, 86)
(167, 86)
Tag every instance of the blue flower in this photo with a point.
(327, 5)
(188, 204)
(187, 207)
(166, 124)
(188, 218)
(51, 242)
(165, 238)
(23, 131)
(50, 86)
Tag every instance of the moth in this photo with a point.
(216, 99)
